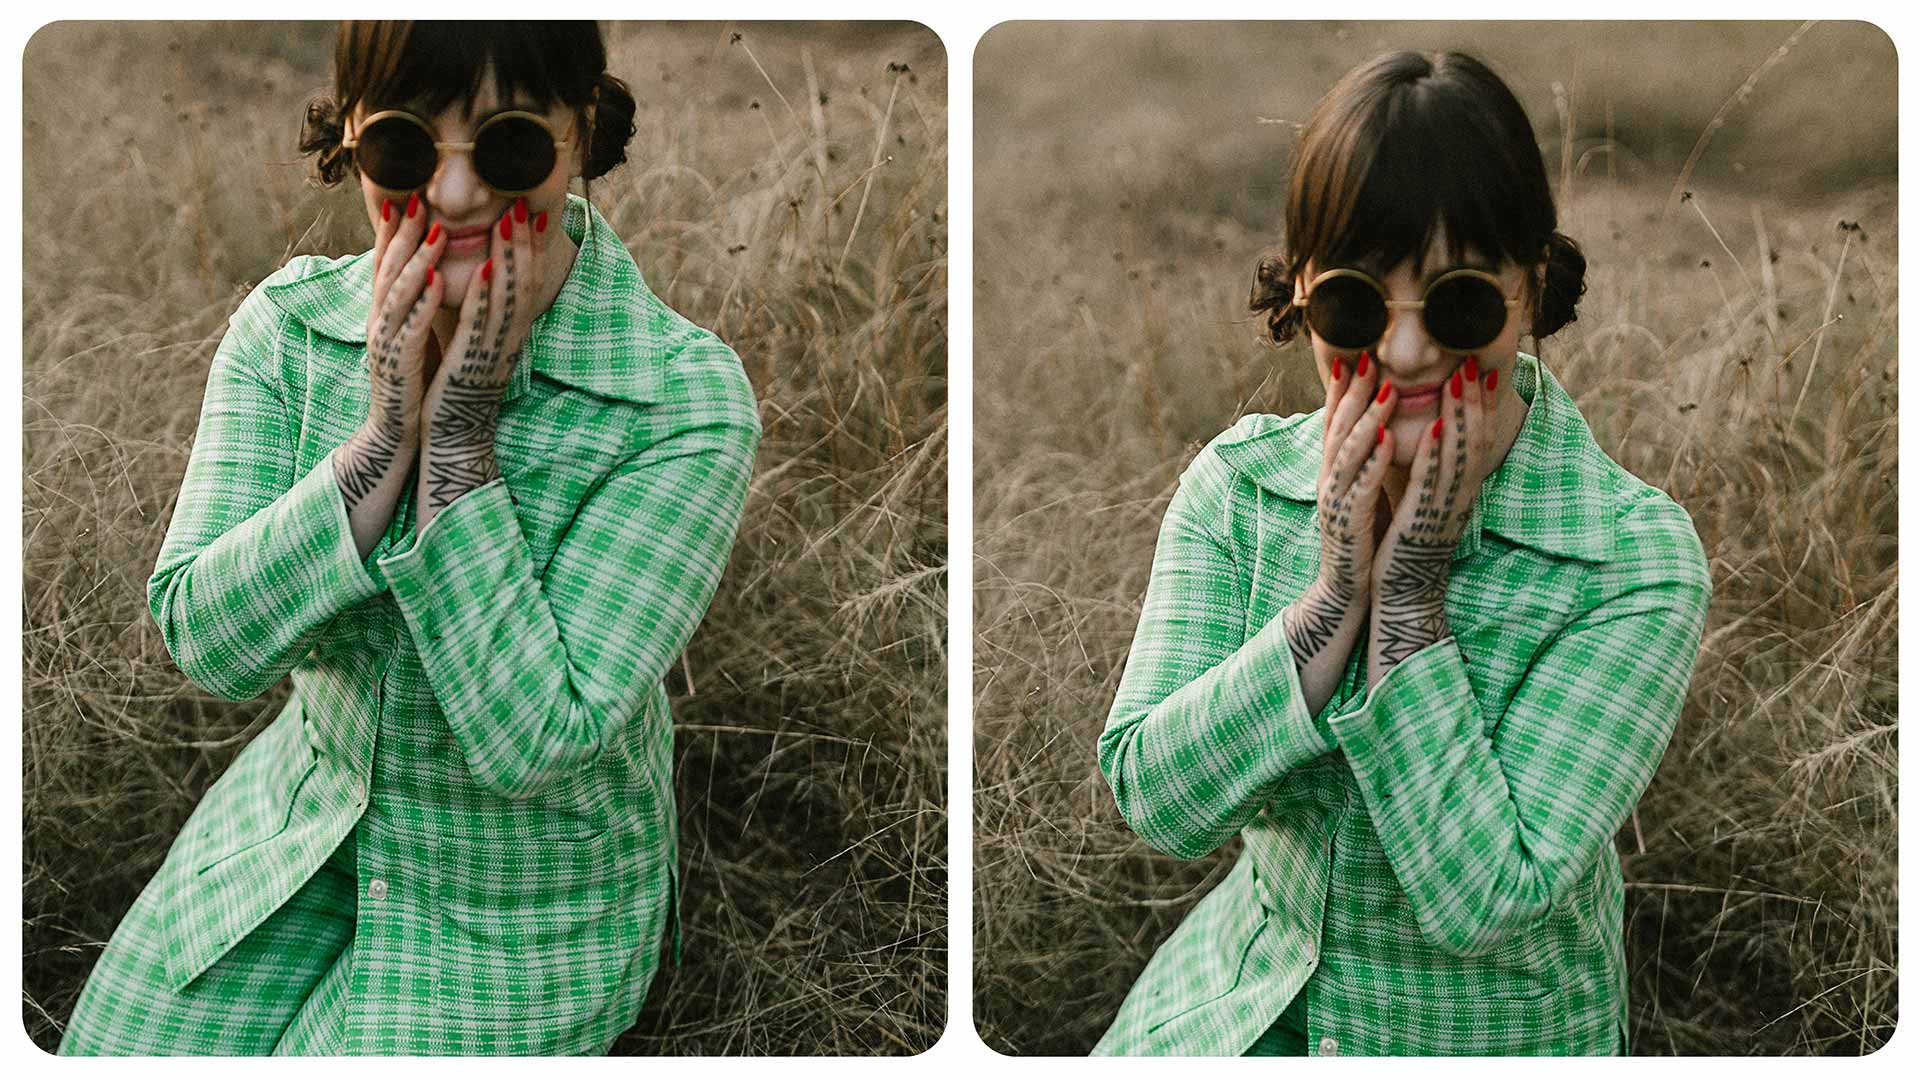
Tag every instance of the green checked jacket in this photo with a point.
(482, 698)
(1431, 861)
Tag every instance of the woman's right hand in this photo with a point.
(406, 294)
(1352, 469)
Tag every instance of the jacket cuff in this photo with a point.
(449, 571)
(1396, 736)
(315, 519)
(1295, 729)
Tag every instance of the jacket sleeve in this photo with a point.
(256, 558)
(1487, 835)
(537, 676)
(1207, 719)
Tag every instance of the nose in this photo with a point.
(456, 190)
(1405, 350)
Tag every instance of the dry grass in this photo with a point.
(1736, 349)
(161, 184)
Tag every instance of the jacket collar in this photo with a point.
(603, 333)
(1553, 492)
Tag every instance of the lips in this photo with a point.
(467, 240)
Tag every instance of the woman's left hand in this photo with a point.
(1411, 566)
(461, 408)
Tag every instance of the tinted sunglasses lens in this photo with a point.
(1346, 312)
(1465, 313)
(396, 153)
(514, 154)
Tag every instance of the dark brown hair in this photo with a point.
(430, 65)
(1403, 143)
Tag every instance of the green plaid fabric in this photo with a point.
(1429, 862)
(480, 703)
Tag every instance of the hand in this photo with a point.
(406, 293)
(462, 406)
(1411, 568)
(1352, 466)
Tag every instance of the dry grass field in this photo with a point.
(786, 189)
(1736, 347)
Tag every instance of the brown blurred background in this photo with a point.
(162, 183)
(1733, 187)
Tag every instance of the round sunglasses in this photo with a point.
(1464, 309)
(513, 152)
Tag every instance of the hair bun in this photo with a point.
(1273, 294)
(612, 126)
(322, 133)
(1566, 281)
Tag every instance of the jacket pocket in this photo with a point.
(253, 801)
(532, 930)
(1399, 1020)
(1205, 959)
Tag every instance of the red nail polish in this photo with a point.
(1493, 377)
(1436, 427)
(433, 233)
(1384, 389)
(1454, 389)
(1473, 368)
(1380, 436)
(520, 209)
(430, 272)
(386, 209)
(506, 227)
(1336, 369)
(1362, 370)
(413, 203)
(486, 270)
(540, 222)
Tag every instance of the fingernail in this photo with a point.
(1493, 377)
(486, 270)
(1336, 369)
(1473, 368)
(430, 269)
(1384, 388)
(1436, 427)
(1380, 436)
(540, 223)
(386, 209)
(506, 228)
(413, 203)
(1362, 371)
(1454, 388)
(520, 208)
(433, 234)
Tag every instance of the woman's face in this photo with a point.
(458, 199)
(1410, 359)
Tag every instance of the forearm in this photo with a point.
(371, 468)
(1321, 631)
(1401, 629)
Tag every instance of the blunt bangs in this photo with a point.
(1410, 143)
(431, 65)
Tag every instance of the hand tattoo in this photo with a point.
(1411, 602)
(371, 455)
(460, 438)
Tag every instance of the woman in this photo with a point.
(1428, 806)
(473, 490)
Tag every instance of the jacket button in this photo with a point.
(377, 889)
(1310, 949)
(1329, 1046)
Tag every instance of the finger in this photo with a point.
(409, 280)
(1452, 456)
(409, 226)
(1362, 442)
(504, 287)
(540, 242)
(390, 218)
(420, 317)
(523, 245)
(1342, 373)
(1360, 395)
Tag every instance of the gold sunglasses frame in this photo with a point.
(350, 142)
(1409, 305)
